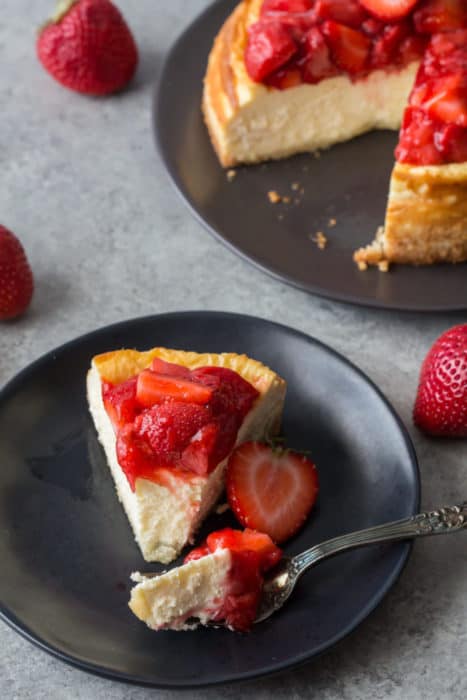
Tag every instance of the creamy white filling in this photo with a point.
(273, 123)
(196, 589)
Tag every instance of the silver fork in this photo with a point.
(282, 579)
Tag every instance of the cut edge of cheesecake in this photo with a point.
(426, 217)
(249, 122)
(164, 518)
(192, 590)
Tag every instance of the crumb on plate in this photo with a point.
(274, 197)
(320, 239)
(332, 222)
(231, 174)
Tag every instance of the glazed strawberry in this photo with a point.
(348, 12)
(285, 6)
(448, 103)
(435, 16)
(271, 489)
(441, 403)
(120, 402)
(318, 63)
(16, 280)
(169, 427)
(88, 47)
(153, 388)
(389, 9)
(349, 48)
(249, 540)
(417, 143)
(169, 368)
(270, 46)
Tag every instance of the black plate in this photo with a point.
(349, 182)
(67, 550)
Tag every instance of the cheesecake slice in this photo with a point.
(168, 420)
(219, 582)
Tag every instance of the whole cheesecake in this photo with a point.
(290, 76)
(168, 421)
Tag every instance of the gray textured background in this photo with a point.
(109, 239)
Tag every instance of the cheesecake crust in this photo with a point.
(426, 217)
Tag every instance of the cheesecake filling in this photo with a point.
(171, 421)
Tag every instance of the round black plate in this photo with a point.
(349, 183)
(67, 550)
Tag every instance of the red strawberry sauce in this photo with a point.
(177, 436)
(306, 41)
(252, 553)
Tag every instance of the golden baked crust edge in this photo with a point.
(426, 217)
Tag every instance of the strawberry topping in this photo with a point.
(271, 489)
(434, 127)
(181, 420)
(296, 42)
(252, 554)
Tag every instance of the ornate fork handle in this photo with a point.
(434, 522)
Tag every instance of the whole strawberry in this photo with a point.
(441, 403)
(88, 47)
(16, 281)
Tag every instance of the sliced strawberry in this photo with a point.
(271, 490)
(270, 46)
(389, 9)
(120, 402)
(153, 388)
(248, 540)
(448, 101)
(411, 49)
(199, 455)
(349, 48)
(318, 63)
(168, 428)
(134, 455)
(417, 140)
(387, 44)
(451, 141)
(372, 26)
(232, 393)
(285, 6)
(435, 16)
(284, 79)
(348, 12)
(169, 368)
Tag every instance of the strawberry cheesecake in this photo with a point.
(168, 421)
(220, 582)
(290, 76)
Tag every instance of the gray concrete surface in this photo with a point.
(109, 239)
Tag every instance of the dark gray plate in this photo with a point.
(349, 182)
(66, 548)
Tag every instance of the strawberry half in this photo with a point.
(435, 16)
(270, 46)
(441, 403)
(271, 490)
(16, 280)
(389, 9)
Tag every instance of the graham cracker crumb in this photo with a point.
(222, 508)
(274, 197)
(295, 186)
(231, 174)
(320, 239)
(286, 200)
(362, 265)
(383, 266)
(331, 223)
